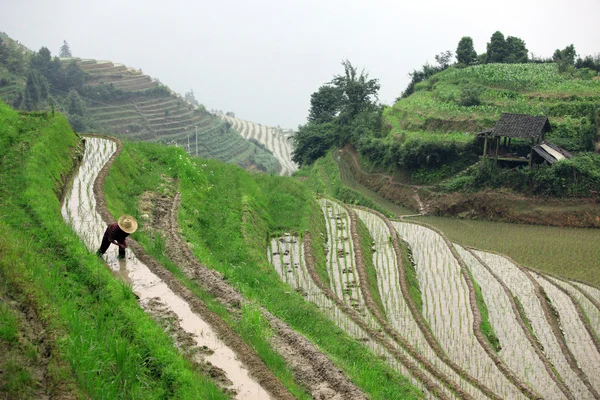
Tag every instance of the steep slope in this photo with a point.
(125, 102)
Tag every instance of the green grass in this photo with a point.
(216, 200)
(434, 111)
(365, 244)
(411, 276)
(154, 160)
(108, 345)
(485, 326)
(572, 253)
(325, 177)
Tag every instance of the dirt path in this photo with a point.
(217, 349)
(310, 366)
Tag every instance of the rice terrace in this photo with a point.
(442, 247)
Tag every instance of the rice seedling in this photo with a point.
(577, 337)
(516, 349)
(523, 289)
(447, 309)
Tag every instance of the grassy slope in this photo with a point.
(215, 197)
(94, 322)
(516, 88)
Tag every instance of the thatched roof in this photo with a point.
(551, 152)
(519, 126)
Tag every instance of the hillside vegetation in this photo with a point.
(106, 97)
(440, 104)
(69, 329)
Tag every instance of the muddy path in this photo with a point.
(213, 346)
(310, 367)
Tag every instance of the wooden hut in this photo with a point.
(511, 126)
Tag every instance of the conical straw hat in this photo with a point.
(127, 223)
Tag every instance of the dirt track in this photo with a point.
(310, 366)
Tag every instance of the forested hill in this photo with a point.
(428, 137)
(111, 98)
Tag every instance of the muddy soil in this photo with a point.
(310, 366)
(33, 353)
(153, 285)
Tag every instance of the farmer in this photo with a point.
(116, 234)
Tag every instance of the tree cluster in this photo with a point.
(341, 111)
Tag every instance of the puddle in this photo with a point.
(79, 210)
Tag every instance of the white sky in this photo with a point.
(262, 59)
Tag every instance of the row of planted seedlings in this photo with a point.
(578, 338)
(270, 138)
(592, 291)
(518, 347)
(449, 310)
(388, 266)
(590, 307)
(79, 210)
(287, 255)
(543, 320)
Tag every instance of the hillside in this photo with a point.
(248, 285)
(124, 102)
(105, 97)
(571, 102)
(276, 140)
(424, 152)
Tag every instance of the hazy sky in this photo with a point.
(263, 59)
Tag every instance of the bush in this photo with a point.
(470, 95)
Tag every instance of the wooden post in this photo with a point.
(508, 146)
(485, 147)
(497, 146)
(531, 154)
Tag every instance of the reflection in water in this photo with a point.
(79, 210)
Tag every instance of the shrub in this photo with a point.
(470, 95)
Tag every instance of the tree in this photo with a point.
(191, 98)
(36, 90)
(465, 52)
(73, 77)
(358, 92)
(15, 61)
(312, 142)
(325, 104)
(342, 111)
(41, 60)
(4, 52)
(65, 50)
(517, 52)
(74, 104)
(443, 59)
(496, 48)
(565, 58)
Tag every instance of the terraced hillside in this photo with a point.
(441, 104)
(471, 324)
(278, 141)
(124, 102)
